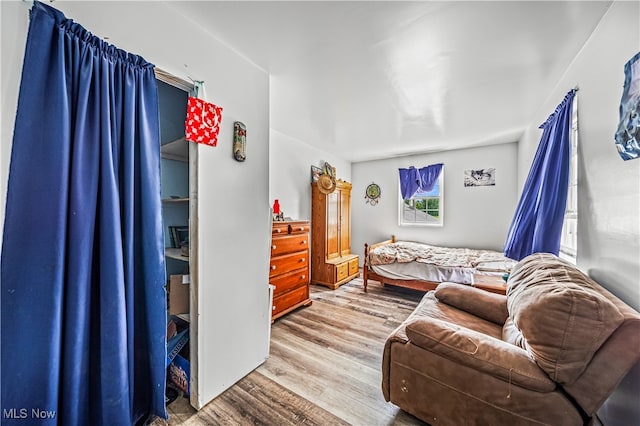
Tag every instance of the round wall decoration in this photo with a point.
(372, 194)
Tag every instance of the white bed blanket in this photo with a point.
(445, 264)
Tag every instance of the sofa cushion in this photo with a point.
(562, 318)
(490, 306)
(478, 351)
(431, 308)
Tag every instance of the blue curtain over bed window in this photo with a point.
(423, 179)
(537, 222)
(409, 182)
(83, 298)
(429, 176)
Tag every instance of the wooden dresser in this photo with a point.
(289, 266)
(332, 262)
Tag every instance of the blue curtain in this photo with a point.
(537, 222)
(424, 179)
(429, 176)
(410, 182)
(83, 298)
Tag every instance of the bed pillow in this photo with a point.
(563, 320)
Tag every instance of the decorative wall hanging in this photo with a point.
(329, 170)
(239, 141)
(315, 173)
(480, 177)
(202, 124)
(372, 194)
(628, 134)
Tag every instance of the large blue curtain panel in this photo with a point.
(83, 297)
(537, 222)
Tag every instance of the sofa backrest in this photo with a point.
(572, 327)
(611, 362)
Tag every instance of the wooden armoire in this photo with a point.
(332, 263)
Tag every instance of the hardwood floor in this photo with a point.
(324, 366)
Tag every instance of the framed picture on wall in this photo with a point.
(315, 173)
(480, 177)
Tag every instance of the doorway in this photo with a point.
(179, 198)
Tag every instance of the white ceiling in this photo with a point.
(373, 79)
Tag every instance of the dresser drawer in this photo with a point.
(290, 280)
(289, 299)
(288, 262)
(279, 228)
(289, 244)
(342, 271)
(353, 266)
(299, 228)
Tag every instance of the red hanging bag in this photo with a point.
(202, 124)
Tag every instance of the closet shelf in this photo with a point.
(175, 253)
(175, 200)
(184, 317)
(175, 150)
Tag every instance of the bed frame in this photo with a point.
(369, 274)
(494, 284)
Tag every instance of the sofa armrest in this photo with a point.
(481, 303)
(480, 352)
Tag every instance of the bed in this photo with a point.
(422, 266)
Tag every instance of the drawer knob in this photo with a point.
(278, 230)
(273, 267)
(302, 260)
(273, 247)
(273, 308)
(304, 241)
(302, 228)
(303, 277)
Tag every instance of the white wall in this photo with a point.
(608, 188)
(234, 315)
(476, 217)
(290, 162)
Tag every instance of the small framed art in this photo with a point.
(315, 173)
(480, 177)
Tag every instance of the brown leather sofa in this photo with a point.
(549, 352)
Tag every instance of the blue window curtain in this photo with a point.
(409, 182)
(537, 222)
(423, 179)
(83, 298)
(429, 176)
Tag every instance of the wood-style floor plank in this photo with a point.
(324, 366)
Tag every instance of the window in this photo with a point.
(424, 208)
(569, 239)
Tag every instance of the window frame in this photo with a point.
(569, 236)
(440, 197)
